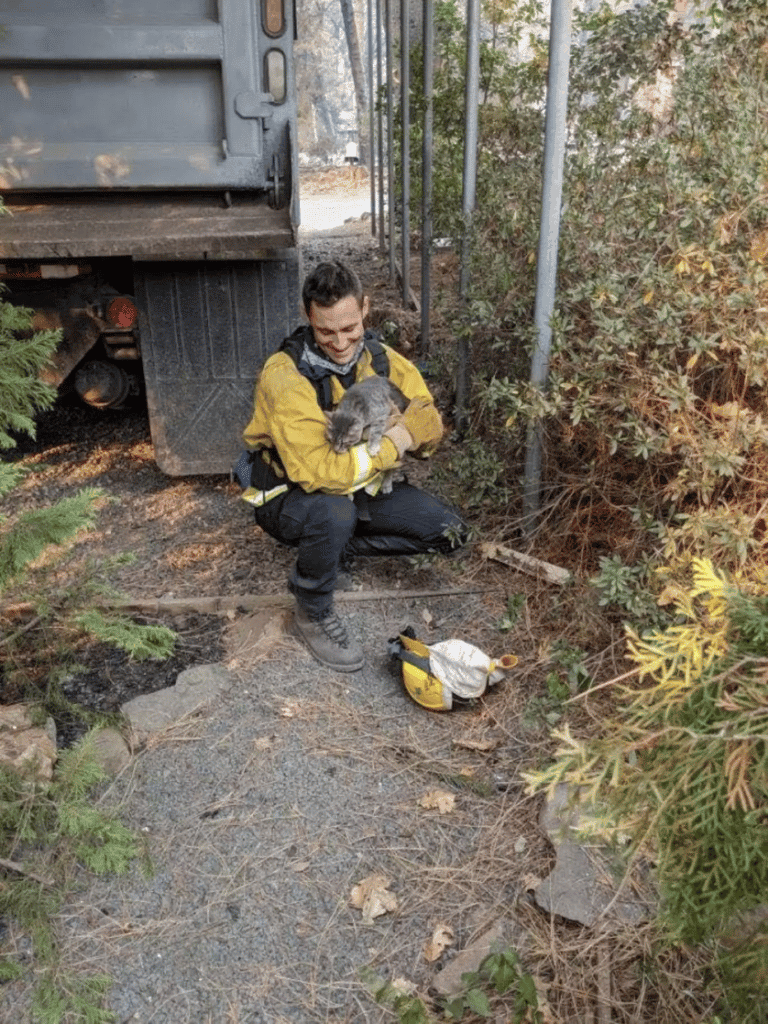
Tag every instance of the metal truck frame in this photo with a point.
(148, 168)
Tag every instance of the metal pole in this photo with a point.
(390, 147)
(546, 267)
(380, 126)
(426, 174)
(371, 102)
(471, 104)
(405, 109)
(472, 98)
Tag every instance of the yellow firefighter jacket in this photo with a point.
(287, 418)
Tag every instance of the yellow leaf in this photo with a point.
(438, 799)
(648, 297)
(669, 594)
(442, 937)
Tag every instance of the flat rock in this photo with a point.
(111, 751)
(587, 877)
(195, 689)
(26, 748)
(502, 934)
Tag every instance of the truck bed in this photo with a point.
(145, 226)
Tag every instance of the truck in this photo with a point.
(149, 174)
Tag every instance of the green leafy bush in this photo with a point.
(660, 348)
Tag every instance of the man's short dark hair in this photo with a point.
(330, 282)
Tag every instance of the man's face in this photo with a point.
(338, 328)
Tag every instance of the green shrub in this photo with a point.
(660, 348)
(684, 766)
(47, 829)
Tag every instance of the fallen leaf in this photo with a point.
(372, 896)
(530, 882)
(438, 799)
(428, 617)
(520, 844)
(467, 743)
(290, 710)
(300, 865)
(264, 742)
(404, 987)
(442, 938)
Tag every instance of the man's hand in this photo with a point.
(422, 421)
(400, 437)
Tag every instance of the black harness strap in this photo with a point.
(294, 346)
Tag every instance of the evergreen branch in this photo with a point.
(34, 531)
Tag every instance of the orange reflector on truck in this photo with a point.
(121, 312)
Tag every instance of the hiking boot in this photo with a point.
(327, 638)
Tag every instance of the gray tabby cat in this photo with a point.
(364, 411)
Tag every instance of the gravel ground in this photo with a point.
(262, 815)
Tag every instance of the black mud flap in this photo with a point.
(206, 329)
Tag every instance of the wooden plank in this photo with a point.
(223, 604)
(525, 563)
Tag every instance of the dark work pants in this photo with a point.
(323, 526)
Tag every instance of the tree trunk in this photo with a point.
(358, 78)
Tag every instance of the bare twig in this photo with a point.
(19, 869)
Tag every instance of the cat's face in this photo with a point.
(343, 432)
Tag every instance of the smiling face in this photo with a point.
(338, 329)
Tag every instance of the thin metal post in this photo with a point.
(426, 174)
(549, 238)
(371, 134)
(390, 147)
(471, 104)
(469, 198)
(380, 126)
(405, 111)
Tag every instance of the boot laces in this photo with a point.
(334, 628)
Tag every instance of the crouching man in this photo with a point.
(329, 505)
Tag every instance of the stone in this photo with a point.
(26, 748)
(503, 934)
(587, 877)
(195, 689)
(111, 751)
